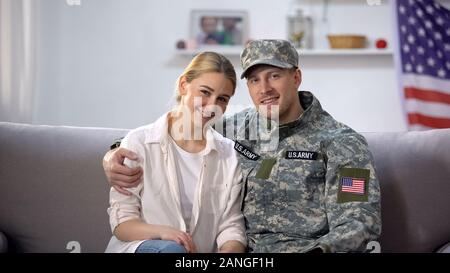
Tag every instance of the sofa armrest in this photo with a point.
(3, 243)
(444, 249)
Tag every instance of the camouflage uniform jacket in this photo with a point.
(297, 195)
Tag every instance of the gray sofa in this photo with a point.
(54, 194)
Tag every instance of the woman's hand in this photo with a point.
(182, 238)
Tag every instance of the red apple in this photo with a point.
(381, 43)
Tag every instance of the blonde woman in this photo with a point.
(190, 198)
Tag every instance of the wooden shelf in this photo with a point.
(236, 51)
(346, 52)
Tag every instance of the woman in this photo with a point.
(190, 197)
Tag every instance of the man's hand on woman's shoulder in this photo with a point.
(120, 176)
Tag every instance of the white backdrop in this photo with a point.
(17, 59)
(112, 63)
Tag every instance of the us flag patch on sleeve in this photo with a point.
(353, 185)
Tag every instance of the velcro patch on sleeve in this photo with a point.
(265, 168)
(353, 185)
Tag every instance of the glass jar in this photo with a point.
(300, 30)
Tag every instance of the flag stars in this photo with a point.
(408, 67)
(421, 32)
(406, 48)
(419, 68)
(420, 50)
(403, 28)
(419, 13)
(438, 36)
(424, 31)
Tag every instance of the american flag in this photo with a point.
(352, 185)
(424, 43)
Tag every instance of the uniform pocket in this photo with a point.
(300, 170)
(300, 180)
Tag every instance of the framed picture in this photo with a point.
(219, 27)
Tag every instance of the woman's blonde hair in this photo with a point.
(207, 62)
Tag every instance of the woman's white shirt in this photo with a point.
(188, 167)
(216, 204)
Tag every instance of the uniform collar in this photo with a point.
(311, 108)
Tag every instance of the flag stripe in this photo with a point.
(353, 191)
(433, 109)
(416, 118)
(420, 127)
(426, 95)
(426, 83)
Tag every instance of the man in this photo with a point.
(314, 188)
(232, 34)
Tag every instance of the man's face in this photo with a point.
(274, 92)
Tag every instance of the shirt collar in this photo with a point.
(159, 133)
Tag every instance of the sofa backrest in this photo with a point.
(414, 173)
(54, 194)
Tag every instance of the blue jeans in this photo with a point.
(160, 246)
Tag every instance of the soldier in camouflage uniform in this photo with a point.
(310, 180)
(316, 188)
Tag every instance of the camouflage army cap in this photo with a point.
(279, 53)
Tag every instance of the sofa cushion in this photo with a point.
(53, 189)
(414, 173)
(54, 194)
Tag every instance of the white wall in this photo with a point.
(112, 63)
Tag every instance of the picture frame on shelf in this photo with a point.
(214, 28)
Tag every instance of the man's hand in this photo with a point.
(232, 246)
(120, 176)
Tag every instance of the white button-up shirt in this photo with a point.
(216, 213)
